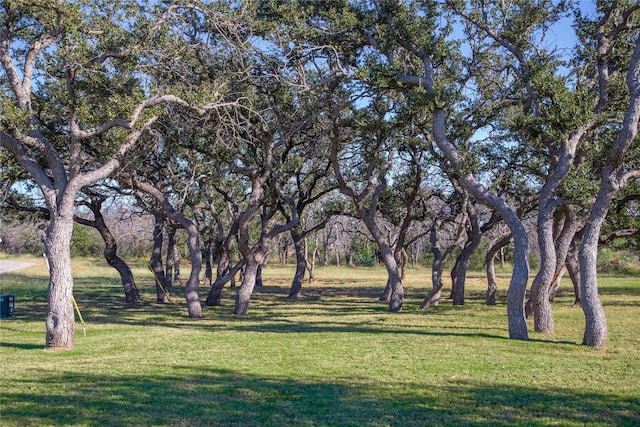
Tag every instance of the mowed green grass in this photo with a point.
(335, 358)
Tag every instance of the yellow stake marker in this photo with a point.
(84, 326)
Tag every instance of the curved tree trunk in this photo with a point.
(207, 255)
(60, 322)
(214, 296)
(170, 262)
(393, 290)
(126, 275)
(394, 280)
(259, 281)
(433, 297)
(573, 267)
(454, 277)
(403, 263)
(464, 259)
(155, 261)
(520, 276)
(490, 258)
(247, 285)
(301, 264)
(175, 255)
(193, 242)
(541, 286)
(564, 242)
(614, 176)
(191, 288)
(546, 225)
(595, 332)
(311, 267)
(386, 292)
(111, 249)
(224, 275)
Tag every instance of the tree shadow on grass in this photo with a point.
(334, 313)
(22, 346)
(189, 396)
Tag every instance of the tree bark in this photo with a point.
(570, 225)
(225, 273)
(111, 249)
(433, 297)
(520, 276)
(259, 281)
(248, 284)
(208, 263)
(155, 261)
(311, 267)
(194, 307)
(464, 259)
(490, 258)
(301, 264)
(176, 266)
(403, 263)
(573, 268)
(191, 288)
(170, 262)
(614, 176)
(60, 322)
(541, 306)
(395, 281)
(548, 201)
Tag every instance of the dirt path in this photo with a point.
(7, 266)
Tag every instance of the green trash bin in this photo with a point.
(7, 307)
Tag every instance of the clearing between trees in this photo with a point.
(335, 357)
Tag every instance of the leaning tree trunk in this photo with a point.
(248, 284)
(464, 259)
(386, 292)
(171, 260)
(394, 281)
(208, 264)
(222, 277)
(573, 268)
(614, 176)
(175, 253)
(111, 249)
(60, 320)
(126, 275)
(595, 332)
(433, 297)
(520, 276)
(193, 242)
(191, 288)
(564, 241)
(403, 263)
(155, 261)
(311, 267)
(547, 203)
(259, 275)
(301, 265)
(541, 286)
(490, 258)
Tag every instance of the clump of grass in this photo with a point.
(336, 357)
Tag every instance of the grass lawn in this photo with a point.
(335, 358)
